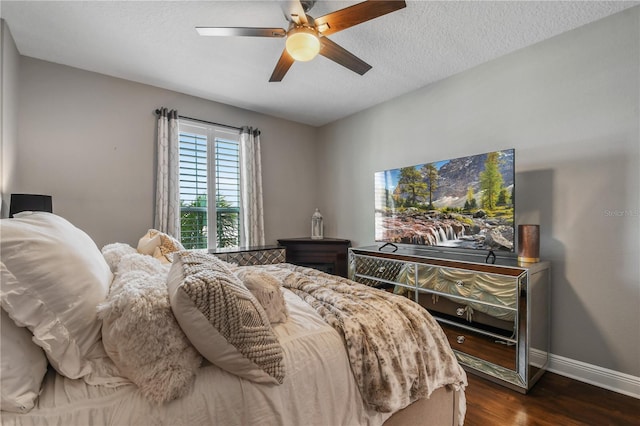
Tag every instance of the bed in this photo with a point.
(123, 336)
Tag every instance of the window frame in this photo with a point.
(214, 134)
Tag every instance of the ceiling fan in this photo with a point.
(306, 37)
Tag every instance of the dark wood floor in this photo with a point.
(554, 401)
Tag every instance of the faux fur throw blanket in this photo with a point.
(398, 352)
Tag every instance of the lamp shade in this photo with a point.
(30, 202)
(303, 44)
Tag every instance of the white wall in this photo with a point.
(570, 108)
(9, 66)
(88, 140)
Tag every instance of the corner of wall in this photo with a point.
(9, 69)
(2, 196)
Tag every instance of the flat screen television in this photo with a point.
(464, 203)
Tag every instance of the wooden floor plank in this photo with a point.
(555, 400)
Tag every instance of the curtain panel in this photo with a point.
(251, 188)
(167, 211)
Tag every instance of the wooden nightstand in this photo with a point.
(327, 254)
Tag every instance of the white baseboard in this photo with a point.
(598, 376)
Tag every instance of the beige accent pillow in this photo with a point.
(140, 333)
(267, 289)
(222, 319)
(159, 245)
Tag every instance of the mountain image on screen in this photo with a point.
(465, 202)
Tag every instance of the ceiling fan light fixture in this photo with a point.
(303, 44)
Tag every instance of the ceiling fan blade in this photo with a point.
(337, 54)
(356, 14)
(241, 31)
(283, 65)
(294, 12)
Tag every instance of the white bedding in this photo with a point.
(319, 389)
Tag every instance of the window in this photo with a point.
(209, 170)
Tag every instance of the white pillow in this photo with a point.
(140, 333)
(55, 276)
(23, 366)
(223, 320)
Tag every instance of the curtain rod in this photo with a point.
(205, 121)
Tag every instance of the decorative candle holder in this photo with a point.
(317, 226)
(528, 243)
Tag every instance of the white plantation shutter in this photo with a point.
(209, 186)
(227, 181)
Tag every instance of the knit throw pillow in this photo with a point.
(222, 319)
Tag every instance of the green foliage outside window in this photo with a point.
(227, 223)
(193, 223)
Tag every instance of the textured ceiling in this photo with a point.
(155, 43)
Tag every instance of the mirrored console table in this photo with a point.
(249, 256)
(495, 316)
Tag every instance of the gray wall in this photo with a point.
(9, 66)
(570, 108)
(88, 140)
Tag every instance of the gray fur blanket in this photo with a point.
(398, 352)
